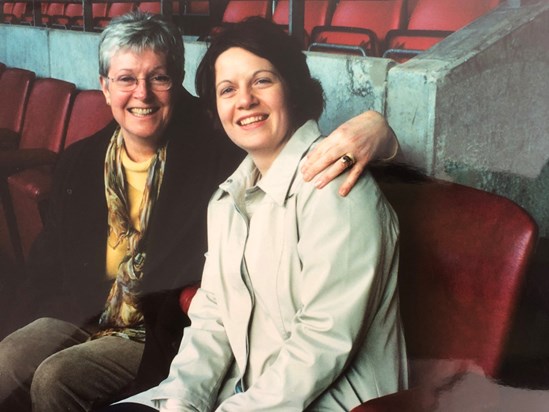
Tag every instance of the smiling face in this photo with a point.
(251, 104)
(143, 113)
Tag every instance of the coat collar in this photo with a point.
(278, 182)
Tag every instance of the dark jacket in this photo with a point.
(67, 262)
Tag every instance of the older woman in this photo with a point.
(126, 232)
(298, 306)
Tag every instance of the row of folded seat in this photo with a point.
(39, 117)
(70, 15)
(397, 29)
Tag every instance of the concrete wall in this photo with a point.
(474, 109)
(352, 84)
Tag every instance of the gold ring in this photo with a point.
(348, 160)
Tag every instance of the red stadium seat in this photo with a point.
(238, 10)
(153, 7)
(430, 22)
(90, 113)
(15, 86)
(18, 10)
(113, 10)
(73, 18)
(317, 13)
(30, 189)
(72, 12)
(7, 8)
(47, 10)
(359, 27)
(464, 255)
(42, 136)
(47, 114)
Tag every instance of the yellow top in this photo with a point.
(136, 178)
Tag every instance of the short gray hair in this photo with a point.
(137, 32)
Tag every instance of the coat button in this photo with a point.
(69, 191)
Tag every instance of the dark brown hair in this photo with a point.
(268, 41)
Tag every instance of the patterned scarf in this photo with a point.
(121, 315)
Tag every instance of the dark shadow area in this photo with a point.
(526, 364)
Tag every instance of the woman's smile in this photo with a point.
(252, 104)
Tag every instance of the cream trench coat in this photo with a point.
(298, 307)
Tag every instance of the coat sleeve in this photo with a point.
(348, 249)
(204, 358)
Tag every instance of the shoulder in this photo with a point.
(365, 202)
(86, 153)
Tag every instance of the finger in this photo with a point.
(330, 173)
(320, 159)
(353, 176)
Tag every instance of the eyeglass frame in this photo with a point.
(147, 80)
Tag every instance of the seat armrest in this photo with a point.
(373, 41)
(14, 160)
(186, 297)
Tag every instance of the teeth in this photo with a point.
(252, 119)
(142, 111)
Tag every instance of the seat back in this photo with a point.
(99, 10)
(47, 114)
(18, 10)
(197, 7)
(317, 13)
(380, 16)
(7, 8)
(238, 10)
(73, 10)
(118, 9)
(90, 113)
(55, 9)
(15, 86)
(30, 189)
(463, 256)
(113, 10)
(431, 21)
(153, 7)
(448, 14)
(359, 26)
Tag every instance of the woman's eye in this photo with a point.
(225, 91)
(161, 78)
(264, 80)
(126, 79)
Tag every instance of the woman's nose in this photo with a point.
(142, 88)
(247, 99)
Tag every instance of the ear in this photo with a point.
(105, 89)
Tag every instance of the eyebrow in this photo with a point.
(274, 72)
(155, 68)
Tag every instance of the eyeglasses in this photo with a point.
(158, 82)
